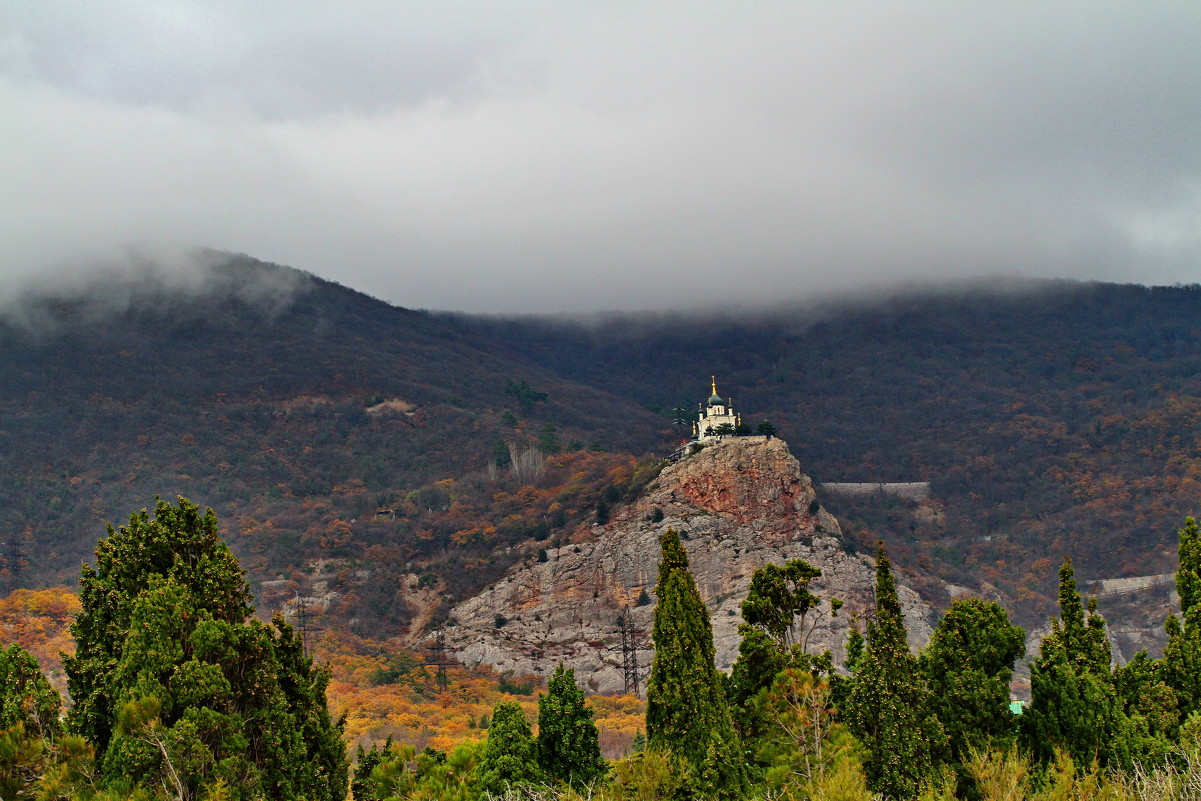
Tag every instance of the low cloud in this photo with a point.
(514, 157)
(146, 280)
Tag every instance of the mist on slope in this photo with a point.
(150, 281)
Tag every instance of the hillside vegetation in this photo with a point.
(177, 692)
(319, 423)
(402, 459)
(1052, 419)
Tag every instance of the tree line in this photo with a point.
(895, 724)
(180, 693)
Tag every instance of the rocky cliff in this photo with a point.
(739, 504)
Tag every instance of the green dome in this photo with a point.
(715, 400)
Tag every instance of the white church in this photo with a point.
(716, 418)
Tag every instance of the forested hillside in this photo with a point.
(321, 424)
(406, 458)
(1052, 419)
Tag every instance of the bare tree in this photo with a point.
(526, 465)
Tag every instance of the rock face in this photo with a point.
(738, 504)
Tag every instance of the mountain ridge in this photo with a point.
(1050, 420)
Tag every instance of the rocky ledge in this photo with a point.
(738, 504)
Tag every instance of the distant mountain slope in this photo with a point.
(1053, 418)
(345, 442)
(291, 405)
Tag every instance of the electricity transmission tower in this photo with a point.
(629, 654)
(304, 623)
(440, 659)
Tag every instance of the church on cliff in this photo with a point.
(716, 418)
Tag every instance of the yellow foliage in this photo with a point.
(413, 711)
(39, 621)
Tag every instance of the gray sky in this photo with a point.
(543, 156)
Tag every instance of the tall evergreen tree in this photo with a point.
(1182, 655)
(1151, 709)
(1158, 694)
(29, 724)
(26, 697)
(889, 708)
(968, 665)
(760, 659)
(361, 786)
(385, 772)
(510, 755)
(568, 743)
(686, 708)
(177, 685)
(1073, 703)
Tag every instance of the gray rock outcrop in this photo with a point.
(738, 504)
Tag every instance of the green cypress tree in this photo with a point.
(1151, 709)
(1157, 694)
(179, 544)
(889, 708)
(361, 786)
(178, 687)
(686, 708)
(1182, 654)
(1073, 702)
(26, 696)
(510, 756)
(29, 724)
(968, 665)
(568, 743)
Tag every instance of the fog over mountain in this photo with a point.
(532, 156)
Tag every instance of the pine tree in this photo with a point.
(1073, 703)
(686, 711)
(778, 595)
(176, 685)
(889, 707)
(760, 659)
(179, 545)
(568, 743)
(968, 665)
(771, 640)
(510, 756)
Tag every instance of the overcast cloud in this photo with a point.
(541, 156)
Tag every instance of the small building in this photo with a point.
(716, 418)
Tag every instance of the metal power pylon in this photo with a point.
(629, 653)
(440, 659)
(304, 623)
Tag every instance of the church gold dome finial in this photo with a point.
(715, 399)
